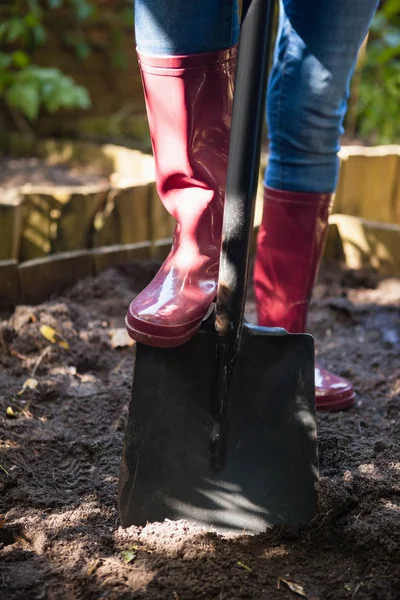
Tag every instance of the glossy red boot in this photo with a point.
(189, 106)
(289, 248)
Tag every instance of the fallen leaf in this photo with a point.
(86, 378)
(2, 520)
(30, 383)
(120, 338)
(51, 334)
(240, 564)
(92, 566)
(296, 588)
(129, 555)
(10, 413)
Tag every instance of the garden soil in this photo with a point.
(63, 406)
(18, 172)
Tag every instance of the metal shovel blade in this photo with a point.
(272, 465)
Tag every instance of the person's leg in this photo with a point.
(314, 59)
(180, 27)
(187, 59)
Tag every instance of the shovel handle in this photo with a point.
(240, 197)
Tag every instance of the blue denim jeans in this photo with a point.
(314, 59)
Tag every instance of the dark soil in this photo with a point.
(17, 172)
(60, 449)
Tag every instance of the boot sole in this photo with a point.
(160, 341)
(333, 405)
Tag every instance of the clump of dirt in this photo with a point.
(60, 449)
(17, 172)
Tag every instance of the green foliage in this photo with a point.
(25, 87)
(379, 93)
(32, 88)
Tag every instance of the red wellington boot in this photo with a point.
(189, 106)
(289, 248)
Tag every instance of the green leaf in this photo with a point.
(40, 74)
(84, 10)
(32, 87)
(390, 8)
(52, 93)
(82, 97)
(54, 3)
(24, 97)
(20, 58)
(31, 20)
(16, 29)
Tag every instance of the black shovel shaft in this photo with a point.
(241, 190)
(243, 164)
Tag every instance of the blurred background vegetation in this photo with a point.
(24, 86)
(374, 113)
(75, 59)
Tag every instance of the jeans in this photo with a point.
(314, 59)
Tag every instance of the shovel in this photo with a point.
(221, 431)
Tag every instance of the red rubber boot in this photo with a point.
(189, 106)
(289, 248)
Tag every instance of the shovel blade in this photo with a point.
(272, 465)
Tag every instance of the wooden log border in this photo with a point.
(35, 281)
(359, 244)
(370, 236)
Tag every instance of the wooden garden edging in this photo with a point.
(37, 280)
(51, 237)
(365, 224)
(42, 220)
